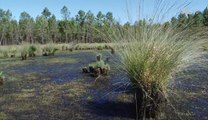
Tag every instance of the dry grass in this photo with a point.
(7, 51)
(151, 55)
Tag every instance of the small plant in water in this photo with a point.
(49, 51)
(97, 68)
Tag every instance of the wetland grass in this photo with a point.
(150, 56)
(25, 50)
(2, 77)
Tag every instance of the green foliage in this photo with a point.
(2, 75)
(49, 51)
(205, 15)
(46, 13)
(54, 50)
(198, 19)
(65, 13)
(31, 51)
(182, 20)
(99, 48)
(99, 63)
(151, 55)
(5, 54)
(24, 53)
(45, 28)
(13, 52)
(3, 116)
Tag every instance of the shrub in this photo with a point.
(112, 50)
(31, 51)
(5, 54)
(99, 48)
(49, 51)
(13, 52)
(71, 49)
(54, 51)
(24, 53)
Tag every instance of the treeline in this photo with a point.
(193, 20)
(196, 20)
(85, 27)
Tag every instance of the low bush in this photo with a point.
(49, 51)
(31, 51)
(24, 53)
(5, 54)
(13, 52)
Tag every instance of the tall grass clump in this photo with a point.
(31, 51)
(49, 50)
(2, 77)
(151, 54)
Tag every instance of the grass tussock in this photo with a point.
(2, 77)
(151, 54)
(25, 50)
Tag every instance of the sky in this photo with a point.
(123, 10)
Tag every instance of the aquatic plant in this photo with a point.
(49, 51)
(97, 68)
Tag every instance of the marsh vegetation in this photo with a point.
(145, 70)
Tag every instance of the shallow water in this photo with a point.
(46, 88)
(54, 88)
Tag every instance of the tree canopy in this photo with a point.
(84, 27)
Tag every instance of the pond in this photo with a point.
(54, 88)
